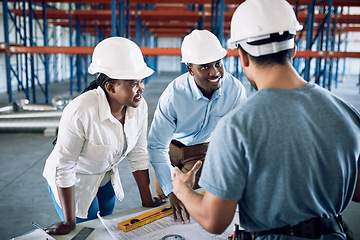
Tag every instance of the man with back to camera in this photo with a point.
(188, 111)
(289, 156)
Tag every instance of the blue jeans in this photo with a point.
(104, 202)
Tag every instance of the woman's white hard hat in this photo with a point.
(201, 47)
(119, 58)
(256, 19)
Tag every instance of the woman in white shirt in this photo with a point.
(97, 130)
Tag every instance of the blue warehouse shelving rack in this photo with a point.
(35, 59)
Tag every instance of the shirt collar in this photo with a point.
(104, 107)
(197, 94)
(130, 112)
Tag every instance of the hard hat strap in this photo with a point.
(268, 48)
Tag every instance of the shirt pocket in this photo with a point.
(96, 158)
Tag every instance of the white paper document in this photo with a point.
(163, 227)
(37, 234)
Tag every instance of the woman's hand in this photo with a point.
(154, 203)
(60, 228)
(66, 196)
(143, 181)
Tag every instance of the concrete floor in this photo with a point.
(23, 191)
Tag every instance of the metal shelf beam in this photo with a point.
(155, 51)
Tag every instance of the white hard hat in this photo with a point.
(201, 47)
(255, 20)
(119, 58)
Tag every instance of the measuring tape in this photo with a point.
(145, 218)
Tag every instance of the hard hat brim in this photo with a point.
(210, 59)
(231, 44)
(141, 74)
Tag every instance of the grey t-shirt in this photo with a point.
(287, 155)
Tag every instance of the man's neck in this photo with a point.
(278, 76)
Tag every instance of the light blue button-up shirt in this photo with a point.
(185, 114)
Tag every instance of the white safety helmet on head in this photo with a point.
(119, 58)
(201, 47)
(255, 20)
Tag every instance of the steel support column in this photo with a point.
(337, 59)
(202, 17)
(26, 90)
(309, 35)
(345, 49)
(79, 65)
(214, 16)
(46, 56)
(32, 60)
(217, 18)
(71, 56)
(128, 18)
(328, 27)
(122, 18)
(320, 38)
(113, 18)
(85, 57)
(221, 22)
(318, 71)
(7, 42)
(332, 48)
(138, 27)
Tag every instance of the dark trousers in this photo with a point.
(184, 157)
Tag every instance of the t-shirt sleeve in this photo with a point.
(225, 168)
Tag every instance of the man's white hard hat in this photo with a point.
(119, 58)
(255, 20)
(201, 47)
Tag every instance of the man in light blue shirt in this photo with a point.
(189, 109)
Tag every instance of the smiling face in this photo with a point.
(127, 92)
(208, 77)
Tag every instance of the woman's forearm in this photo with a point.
(143, 181)
(67, 200)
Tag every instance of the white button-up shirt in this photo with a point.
(90, 143)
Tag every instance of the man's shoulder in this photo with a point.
(175, 87)
(181, 78)
(180, 83)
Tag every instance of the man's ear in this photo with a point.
(244, 58)
(189, 68)
(109, 87)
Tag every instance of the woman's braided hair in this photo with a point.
(101, 80)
